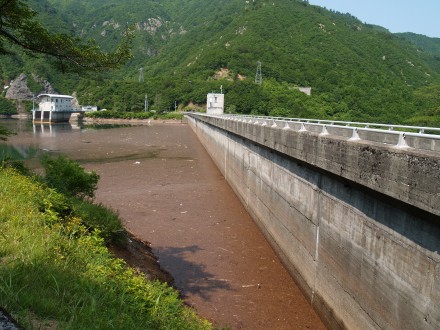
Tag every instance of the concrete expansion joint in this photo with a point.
(366, 312)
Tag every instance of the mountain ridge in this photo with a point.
(357, 71)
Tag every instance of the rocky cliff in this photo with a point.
(19, 88)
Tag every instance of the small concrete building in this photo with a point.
(55, 102)
(89, 108)
(53, 108)
(215, 104)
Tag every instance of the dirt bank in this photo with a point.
(139, 255)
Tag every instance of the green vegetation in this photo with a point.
(20, 28)
(186, 49)
(55, 268)
(101, 218)
(7, 107)
(69, 178)
(134, 115)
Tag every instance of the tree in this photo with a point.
(19, 27)
(69, 177)
(7, 107)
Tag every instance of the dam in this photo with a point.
(353, 213)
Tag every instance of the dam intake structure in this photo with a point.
(353, 212)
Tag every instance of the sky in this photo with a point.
(418, 16)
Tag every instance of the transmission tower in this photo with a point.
(141, 75)
(258, 75)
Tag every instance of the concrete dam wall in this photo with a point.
(357, 224)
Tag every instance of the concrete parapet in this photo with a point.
(409, 175)
(356, 224)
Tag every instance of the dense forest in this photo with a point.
(184, 49)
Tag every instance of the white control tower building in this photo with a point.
(215, 104)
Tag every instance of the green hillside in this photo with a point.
(188, 48)
(424, 43)
(428, 48)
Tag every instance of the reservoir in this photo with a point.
(168, 192)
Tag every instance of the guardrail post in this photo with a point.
(355, 136)
(324, 130)
(402, 141)
(426, 133)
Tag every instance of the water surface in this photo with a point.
(169, 192)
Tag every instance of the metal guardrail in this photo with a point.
(400, 136)
(420, 129)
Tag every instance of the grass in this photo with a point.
(56, 271)
(100, 217)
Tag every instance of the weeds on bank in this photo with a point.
(55, 268)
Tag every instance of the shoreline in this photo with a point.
(128, 121)
(16, 116)
(75, 119)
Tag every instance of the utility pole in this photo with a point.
(258, 75)
(141, 75)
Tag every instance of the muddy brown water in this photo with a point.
(168, 192)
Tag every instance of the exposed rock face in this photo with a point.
(47, 87)
(18, 90)
(75, 103)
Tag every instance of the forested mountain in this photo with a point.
(424, 43)
(186, 48)
(428, 48)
